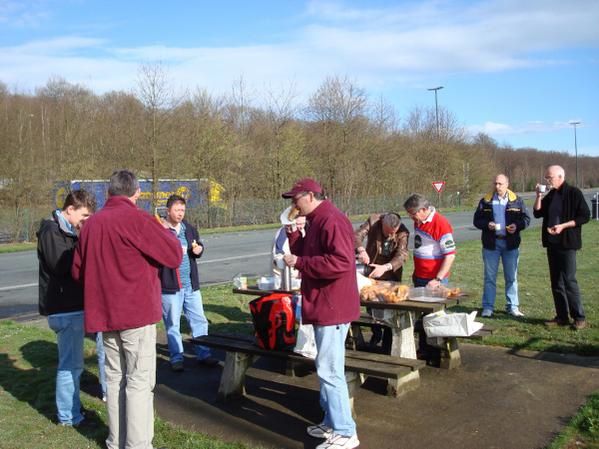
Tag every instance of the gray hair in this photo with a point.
(416, 202)
(392, 220)
(124, 183)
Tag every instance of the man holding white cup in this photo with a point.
(501, 215)
(564, 210)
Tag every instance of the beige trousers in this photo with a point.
(130, 381)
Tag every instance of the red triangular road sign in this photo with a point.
(438, 185)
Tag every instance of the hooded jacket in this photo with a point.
(58, 292)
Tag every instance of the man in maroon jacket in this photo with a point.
(120, 251)
(330, 302)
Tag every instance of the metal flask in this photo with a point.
(286, 281)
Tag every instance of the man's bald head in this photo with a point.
(555, 176)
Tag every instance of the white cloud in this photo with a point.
(376, 46)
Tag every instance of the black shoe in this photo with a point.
(556, 322)
(177, 367)
(208, 361)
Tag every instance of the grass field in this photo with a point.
(28, 352)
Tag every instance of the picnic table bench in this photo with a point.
(450, 355)
(241, 352)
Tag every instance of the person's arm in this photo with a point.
(581, 216)
(196, 245)
(158, 243)
(522, 220)
(337, 258)
(359, 236)
(443, 271)
(537, 208)
(57, 256)
(480, 219)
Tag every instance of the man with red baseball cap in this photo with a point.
(330, 302)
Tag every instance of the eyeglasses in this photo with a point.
(300, 196)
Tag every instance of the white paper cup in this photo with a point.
(542, 188)
(497, 227)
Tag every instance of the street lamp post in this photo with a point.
(574, 123)
(436, 106)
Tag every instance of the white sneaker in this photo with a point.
(319, 431)
(487, 313)
(340, 442)
(516, 312)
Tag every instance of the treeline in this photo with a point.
(254, 146)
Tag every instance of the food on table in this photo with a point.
(391, 292)
(450, 292)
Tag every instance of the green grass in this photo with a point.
(535, 296)
(28, 352)
(15, 247)
(27, 410)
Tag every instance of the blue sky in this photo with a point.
(517, 70)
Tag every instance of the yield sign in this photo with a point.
(438, 185)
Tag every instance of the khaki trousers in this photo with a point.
(130, 381)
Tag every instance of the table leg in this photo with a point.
(403, 345)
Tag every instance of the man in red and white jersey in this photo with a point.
(434, 245)
(434, 253)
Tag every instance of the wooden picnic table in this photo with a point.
(401, 323)
(400, 318)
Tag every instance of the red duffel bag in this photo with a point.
(274, 321)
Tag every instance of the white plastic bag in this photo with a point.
(305, 342)
(441, 324)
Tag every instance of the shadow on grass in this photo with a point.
(557, 353)
(36, 385)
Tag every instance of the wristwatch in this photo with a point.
(438, 279)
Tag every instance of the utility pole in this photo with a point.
(574, 123)
(436, 106)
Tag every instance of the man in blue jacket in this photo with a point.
(564, 210)
(181, 288)
(501, 215)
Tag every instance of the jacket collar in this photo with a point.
(511, 196)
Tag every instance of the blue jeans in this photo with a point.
(421, 282)
(70, 333)
(190, 302)
(330, 368)
(101, 362)
(509, 259)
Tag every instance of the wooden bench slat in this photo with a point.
(364, 362)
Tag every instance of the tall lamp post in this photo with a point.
(574, 123)
(436, 106)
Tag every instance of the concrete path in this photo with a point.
(497, 399)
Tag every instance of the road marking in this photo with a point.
(14, 287)
(224, 259)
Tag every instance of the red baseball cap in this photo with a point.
(303, 185)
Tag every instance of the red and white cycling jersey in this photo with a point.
(433, 240)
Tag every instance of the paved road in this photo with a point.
(226, 255)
